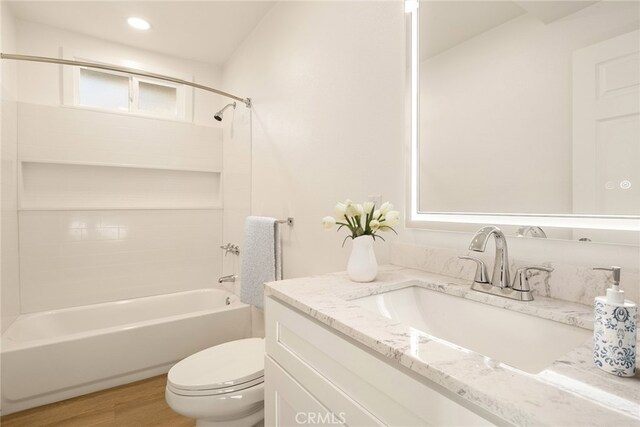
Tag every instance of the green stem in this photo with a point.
(367, 229)
(351, 226)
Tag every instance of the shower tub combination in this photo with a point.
(55, 355)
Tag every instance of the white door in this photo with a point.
(606, 127)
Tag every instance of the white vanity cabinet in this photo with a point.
(317, 376)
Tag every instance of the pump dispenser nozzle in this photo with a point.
(614, 294)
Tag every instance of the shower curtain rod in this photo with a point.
(247, 101)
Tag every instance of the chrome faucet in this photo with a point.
(229, 278)
(533, 230)
(500, 283)
(500, 276)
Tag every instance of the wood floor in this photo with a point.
(132, 405)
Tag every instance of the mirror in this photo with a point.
(528, 113)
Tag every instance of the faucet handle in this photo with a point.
(230, 248)
(521, 281)
(481, 269)
(535, 231)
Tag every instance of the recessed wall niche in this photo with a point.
(81, 186)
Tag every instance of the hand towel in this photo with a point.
(261, 260)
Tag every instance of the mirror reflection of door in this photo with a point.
(606, 127)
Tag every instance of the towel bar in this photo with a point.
(288, 221)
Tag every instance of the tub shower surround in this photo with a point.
(567, 282)
(570, 392)
(114, 207)
(59, 354)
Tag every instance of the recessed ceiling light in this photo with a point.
(138, 23)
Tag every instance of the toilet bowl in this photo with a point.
(222, 386)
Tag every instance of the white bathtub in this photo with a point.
(55, 355)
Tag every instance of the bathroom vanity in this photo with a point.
(363, 354)
(314, 374)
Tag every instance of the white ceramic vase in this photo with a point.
(362, 265)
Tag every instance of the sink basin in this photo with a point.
(522, 341)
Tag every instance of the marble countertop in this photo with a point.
(570, 392)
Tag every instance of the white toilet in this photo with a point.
(222, 386)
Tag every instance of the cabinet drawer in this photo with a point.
(306, 348)
(288, 403)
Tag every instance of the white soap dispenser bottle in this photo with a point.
(614, 330)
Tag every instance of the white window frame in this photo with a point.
(71, 89)
(76, 72)
(134, 98)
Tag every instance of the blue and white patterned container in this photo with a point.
(614, 337)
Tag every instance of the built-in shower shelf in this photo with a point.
(120, 165)
(48, 185)
(121, 208)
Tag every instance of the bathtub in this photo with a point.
(55, 355)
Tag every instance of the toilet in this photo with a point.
(222, 386)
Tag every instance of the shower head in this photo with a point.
(218, 115)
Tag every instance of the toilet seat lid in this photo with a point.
(221, 366)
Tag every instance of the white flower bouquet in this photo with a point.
(363, 219)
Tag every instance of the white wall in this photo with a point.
(144, 242)
(71, 258)
(9, 286)
(40, 83)
(327, 82)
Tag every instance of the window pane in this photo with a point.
(157, 98)
(98, 89)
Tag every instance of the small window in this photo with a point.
(122, 92)
(155, 98)
(103, 90)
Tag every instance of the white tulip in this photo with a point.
(340, 210)
(392, 218)
(386, 207)
(349, 204)
(350, 211)
(376, 214)
(328, 222)
(392, 215)
(358, 209)
(368, 206)
(374, 224)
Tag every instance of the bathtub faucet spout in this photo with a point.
(229, 278)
